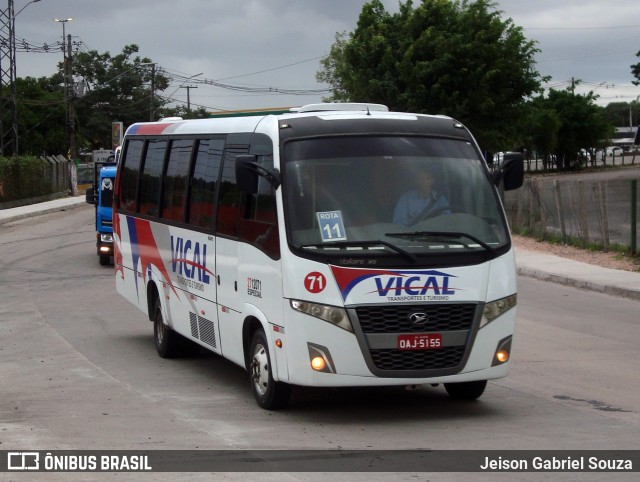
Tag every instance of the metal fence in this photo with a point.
(49, 176)
(603, 213)
(588, 159)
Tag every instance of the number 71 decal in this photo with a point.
(315, 282)
(331, 226)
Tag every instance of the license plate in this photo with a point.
(423, 341)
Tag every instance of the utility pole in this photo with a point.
(68, 108)
(189, 87)
(152, 97)
(72, 111)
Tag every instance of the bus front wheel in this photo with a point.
(466, 390)
(269, 393)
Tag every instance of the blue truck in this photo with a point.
(100, 194)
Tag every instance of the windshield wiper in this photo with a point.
(348, 244)
(442, 234)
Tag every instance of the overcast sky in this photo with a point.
(277, 44)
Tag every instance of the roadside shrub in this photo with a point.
(23, 177)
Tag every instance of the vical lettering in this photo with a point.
(414, 285)
(189, 258)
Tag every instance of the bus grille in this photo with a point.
(376, 321)
(448, 357)
(395, 319)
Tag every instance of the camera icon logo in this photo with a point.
(23, 461)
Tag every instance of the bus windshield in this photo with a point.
(397, 196)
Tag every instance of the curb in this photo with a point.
(18, 217)
(578, 283)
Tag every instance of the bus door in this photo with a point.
(230, 304)
(202, 316)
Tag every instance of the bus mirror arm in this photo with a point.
(248, 170)
(272, 175)
(511, 170)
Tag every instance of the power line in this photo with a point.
(610, 27)
(246, 88)
(272, 69)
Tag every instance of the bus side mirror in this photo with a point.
(248, 172)
(511, 171)
(90, 196)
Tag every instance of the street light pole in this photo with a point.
(26, 5)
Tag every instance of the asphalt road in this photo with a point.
(78, 370)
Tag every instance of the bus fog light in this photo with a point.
(320, 358)
(105, 249)
(318, 364)
(503, 352)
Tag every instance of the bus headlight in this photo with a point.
(332, 314)
(106, 238)
(496, 308)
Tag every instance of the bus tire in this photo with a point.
(167, 341)
(466, 390)
(270, 394)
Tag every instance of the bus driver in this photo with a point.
(420, 203)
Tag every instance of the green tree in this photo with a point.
(540, 129)
(583, 125)
(41, 125)
(635, 70)
(182, 111)
(454, 57)
(117, 88)
(623, 113)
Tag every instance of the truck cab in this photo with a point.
(100, 194)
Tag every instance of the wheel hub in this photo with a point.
(260, 369)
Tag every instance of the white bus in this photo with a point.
(282, 243)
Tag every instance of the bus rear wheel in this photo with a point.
(166, 340)
(269, 393)
(466, 390)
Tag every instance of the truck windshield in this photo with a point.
(401, 197)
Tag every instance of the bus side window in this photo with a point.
(230, 195)
(259, 226)
(204, 181)
(151, 174)
(174, 194)
(130, 173)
